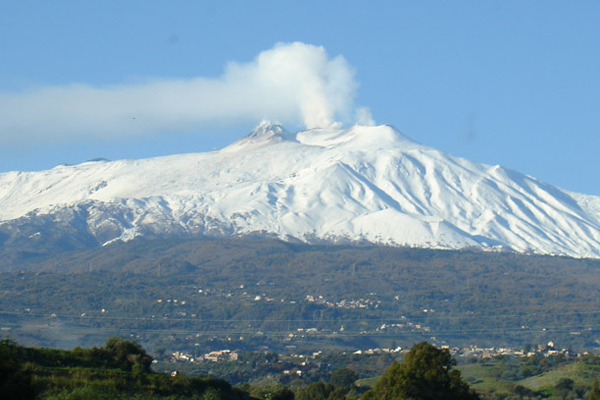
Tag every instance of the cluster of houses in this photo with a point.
(213, 356)
(546, 350)
(347, 304)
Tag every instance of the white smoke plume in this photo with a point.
(292, 82)
(363, 116)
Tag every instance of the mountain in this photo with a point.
(361, 184)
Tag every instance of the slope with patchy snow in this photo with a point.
(359, 184)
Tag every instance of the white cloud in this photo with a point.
(292, 82)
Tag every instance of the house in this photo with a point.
(219, 355)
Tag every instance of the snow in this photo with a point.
(358, 184)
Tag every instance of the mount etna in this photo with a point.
(356, 185)
(322, 239)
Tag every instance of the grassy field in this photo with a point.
(481, 377)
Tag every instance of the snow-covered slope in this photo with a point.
(360, 184)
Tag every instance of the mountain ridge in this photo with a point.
(361, 184)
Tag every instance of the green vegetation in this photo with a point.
(119, 370)
(270, 302)
(555, 377)
(280, 369)
(426, 374)
(595, 392)
(15, 381)
(344, 378)
(179, 293)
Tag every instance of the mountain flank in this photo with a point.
(355, 185)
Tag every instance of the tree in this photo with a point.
(321, 391)
(425, 374)
(129, 355)
(595, 393)
(522, 391)
(343, 378)
(564, 387)
(15, 383)
(269, 392)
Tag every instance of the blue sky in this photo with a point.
(515, 83)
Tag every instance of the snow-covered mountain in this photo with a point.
(362, 184)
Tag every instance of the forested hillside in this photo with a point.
(212, 294)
